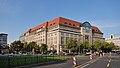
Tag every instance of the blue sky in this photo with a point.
(17, 16)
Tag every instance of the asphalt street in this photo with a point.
(104, 62)
(85, 62)
(68, 64)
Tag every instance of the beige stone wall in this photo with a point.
(98, 36)
(53, 37)
(38, 37)
(57, 36)
(66, 33)
(89, 34)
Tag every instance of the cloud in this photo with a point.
(106, 24)
(110, 26)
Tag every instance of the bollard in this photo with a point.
(74, 61)
(90, 56)
(110, 55)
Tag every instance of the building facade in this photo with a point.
(3, 42)
(115, 38)
(3, 39)
(55, 33)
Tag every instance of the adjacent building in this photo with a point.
(3, 41)
(115, 38)
(55, 33)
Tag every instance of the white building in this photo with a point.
(115, 38)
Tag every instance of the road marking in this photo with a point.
(87, 63)
(108, 65)
(84, 65)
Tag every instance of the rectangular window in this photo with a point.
(86, 37)
(67, 34)
(62, 40)
(62, 34)
(67, 39)
(51, 38)
(51, 34)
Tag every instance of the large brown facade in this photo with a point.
(56, 33)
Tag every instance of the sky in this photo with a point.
(17, 16)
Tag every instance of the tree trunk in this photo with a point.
(69, 51)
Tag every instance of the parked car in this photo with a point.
(87, 52)
(118, 52)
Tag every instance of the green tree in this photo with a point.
(25, 46)
(104, 46)
(31, 45)
(97, 45)
(85, 44)
(71, 44)
(110, 47)
(43, 48)
(16, 46)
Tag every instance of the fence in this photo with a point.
(16, 61)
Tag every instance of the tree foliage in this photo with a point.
(85, 44)
(31, 45)
(97, 44)
(19, 46)
(104, 46)
(71, 43)
(16, 46)
(43, 48)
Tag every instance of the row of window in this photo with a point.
(52, 24)
(64, 23)
(52, 34)
(52, 47)
(97, 35)
(40, 28)
(69, 24)
(52, 42)
(68, 34)
(65, 39)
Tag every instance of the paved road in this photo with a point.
(104, 62)
(67, 64)
(84, 62)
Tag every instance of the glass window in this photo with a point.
(67, 39)
(69, 23)
(53, 23)
(62, 33)
(73, 24)
(67, 34)
(62, 40)
(65, 22)
(86, 37)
